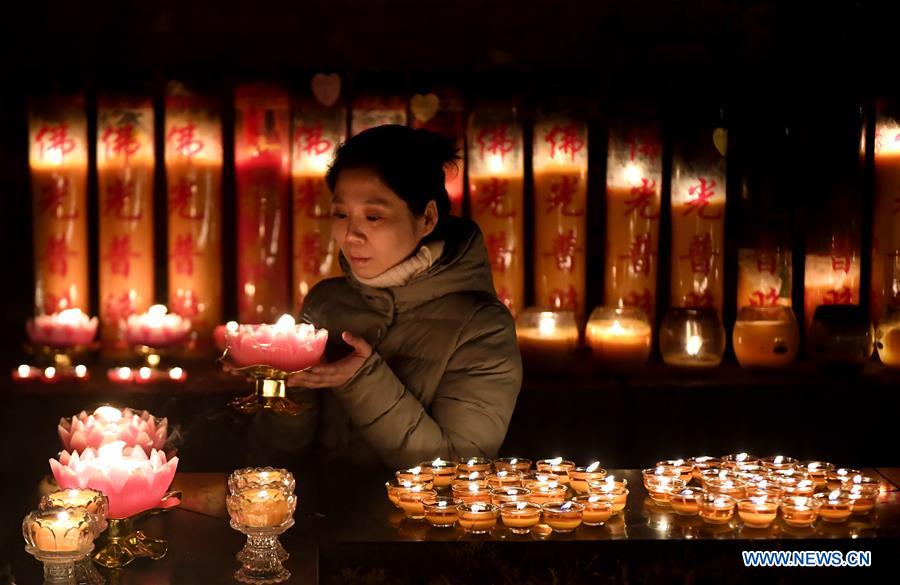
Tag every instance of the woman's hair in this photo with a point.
(409, 162)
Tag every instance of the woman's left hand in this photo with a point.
(338, 373)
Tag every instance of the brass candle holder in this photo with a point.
(124, 542)
(269, 390)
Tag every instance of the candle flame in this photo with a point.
(616, 328)
(437, 462)
(741, 457)
(521, 505)
(693, 345)
(231, 326)
(834, 495)
(758, 500)
(144, 373)
(24, 371)
(473, 476)
(50, 373)
(678, 462)
(720, 502)
(285, 324)
(513, 461)
(157, 311)
(176, 373)
(857, 479)
(124, 373)
(80, 371)
(565, 506)
(108, 413)
(511, 492)
(63, 516)
(478, 507)
(495, 163)
(592, 467)
(472, 461)
(632, 174)
(555, 461)
(502, 474)
(473, 487)
(723, 474)
(595, 498)
(805, 483)
(70, 317)
(779, 459)
(547, 324)
(415, 470)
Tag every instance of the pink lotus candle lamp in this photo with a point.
(151, 334)
(269, 354)
(135, 484)
(108, 424)
(56, 340)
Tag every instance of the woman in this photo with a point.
(431, 365)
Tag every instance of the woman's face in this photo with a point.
(375, 228)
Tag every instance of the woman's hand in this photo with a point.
(335, 374)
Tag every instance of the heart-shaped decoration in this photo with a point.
(720, 140)
(424, 107)
(326, 88)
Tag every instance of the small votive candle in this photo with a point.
(479, 464)
(716, 509)
(500, 496)
(411, 502)
(779, 462)
(614, 488)
(686, 501)
(563, 516)
(478, 517)
(443, 471)
(836, 506)
(620, 339)
(557, 466)
(864, 492)
(471, 492)
(441, 511)
(660, 487)
(261, 507)
(692, 338)
(817, 470)
(660, 471)
(836, 479)
(580, 476)
(735, 459)
(504, 479)
(757, 511)
(765, 488)
(542, 493)
(519, 464)
(803, 488)
(520, 517)
(59, 530)
(540, 478)
(416, 476)
(685, 469)
(765, 337)
(703, 463)
(395, 490)
(597, 508)
(727, 485)
(546, 338)
(799, 512)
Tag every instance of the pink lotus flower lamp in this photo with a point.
(136, 485)
(269, 355)
(56, 341)
(108, 424)
(152, 334)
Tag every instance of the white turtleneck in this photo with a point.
(405, 271)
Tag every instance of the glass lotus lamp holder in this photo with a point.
(62, 539)
(56, 343)
(766, 337)
(261, 504)
(620, 338)
(268, 355)
(841, 337)
(153, 335)
(692, 339)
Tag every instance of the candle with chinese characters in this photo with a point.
(497, 198)
(125, 163)
(262, 169)
(764, 277)
(886, 213)
(766, 337)
(620, 338)
(57, 158)
(376, 110)
(633, 187)
(692, 338)
(832, 274)
(193, 154)
(443, 112)
(698, 220)
(887, 337)
(317, 131)
(546, 338)
(560, 164)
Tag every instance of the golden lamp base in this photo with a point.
(269, 390)
(124, 543)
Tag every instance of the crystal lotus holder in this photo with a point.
(92, 501)
(269, 355)
(108, 424)
(262, 556)
(59, 538)
(255, 477)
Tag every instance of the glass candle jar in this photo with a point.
(261, 507)
(800, 512)
(519, 464)
(477, 464)
(547, 339)
(540, 477)
(735, 459)
(412, 504)
(395, 490)
(442, 470)
(616, 490)
(620, 338)
(686, 501)
(504, 479)
(542, 493)
(597, 508)
(864, 491)
(716, 509)
(685, 469)
(471, 491)
(660, 487)
(692, 338)
(887, 336)
(817, 470)
(580, 476)
(835, 479)
(778, 462)
(563, 516)
(500, 496)
(520, 517)
(441, 511)
(478, 518)
(416, 476)
(758, 511)
(95, 502)
(702, 463)
(766, 337)
(280, 479)
(558, 466)
(835, 506)
(841, 336)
